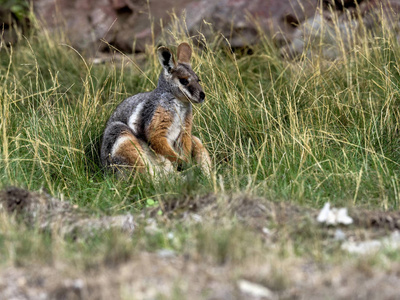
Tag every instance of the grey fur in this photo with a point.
(170, 94)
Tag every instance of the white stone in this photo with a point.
(366, 247)
(255, 290)
(334, 216)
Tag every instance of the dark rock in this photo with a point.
(15, 200)
(340, 30)
(127, 24)
(342, 4)
(130, 25)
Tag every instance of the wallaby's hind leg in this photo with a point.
(127, 152)
(121, 150)
(201, 156)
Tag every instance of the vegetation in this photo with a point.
(20, 8)
(304, 132)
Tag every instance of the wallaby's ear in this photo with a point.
(184, 53)
(166, 58)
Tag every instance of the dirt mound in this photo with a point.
(40, 209)
(377, 219)
(48, 214)
(259, 211)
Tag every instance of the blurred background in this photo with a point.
(91, 26)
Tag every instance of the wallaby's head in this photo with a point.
(179, 77)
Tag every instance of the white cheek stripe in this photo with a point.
(134, 119)
(186, 93)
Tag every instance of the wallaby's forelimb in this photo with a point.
(158, 132)
(200, 155)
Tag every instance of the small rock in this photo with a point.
(97, 61)
(334, 216)
(324, 213)
(197, 218)
(366, 247)
(266, 231)
(393, 241)
(166, 253)
(21, 281)
(152, 227)
(255, 290)
(339, 235)
(342, 217)
(128, 223)
(170, 235)
(371, 246)
(76, 284)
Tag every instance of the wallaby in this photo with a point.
(153, 131)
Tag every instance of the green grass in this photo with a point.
(306, 131)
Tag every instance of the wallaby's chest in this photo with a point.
(176, 114)
(179, 120)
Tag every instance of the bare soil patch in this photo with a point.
(275, 272)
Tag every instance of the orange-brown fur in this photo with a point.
(198, 149)
(131, 152)
(158, 130)
(186, 139)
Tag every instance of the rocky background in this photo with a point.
(131, 24)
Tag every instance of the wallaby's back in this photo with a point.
(154, 128)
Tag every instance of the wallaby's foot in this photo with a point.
(125, 154)
(201, 156)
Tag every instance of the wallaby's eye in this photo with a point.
(183, 81)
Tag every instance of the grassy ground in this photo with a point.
(302, 132)
(305, 132)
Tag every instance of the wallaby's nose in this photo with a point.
(202, 96)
